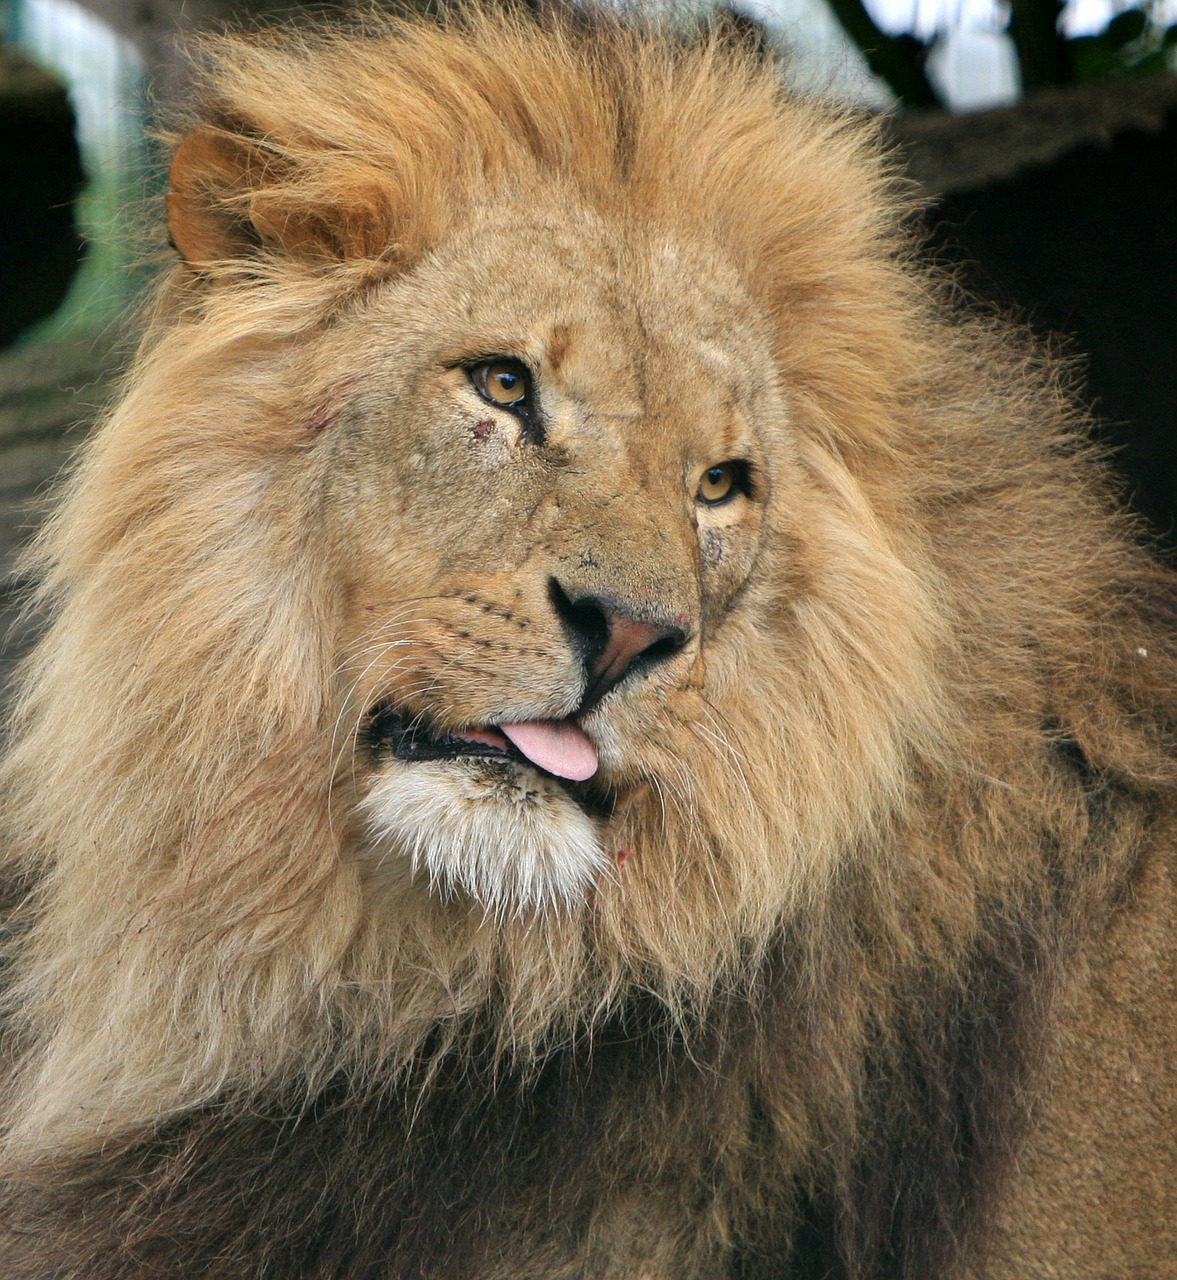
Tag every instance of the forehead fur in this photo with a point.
(426, 116)
(386, 138)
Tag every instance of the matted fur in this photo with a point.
(911, 762)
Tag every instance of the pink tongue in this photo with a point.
(559, 746)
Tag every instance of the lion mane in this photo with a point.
(594, 720)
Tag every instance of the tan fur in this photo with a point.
(296, 511)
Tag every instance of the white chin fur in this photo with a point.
(506, 835)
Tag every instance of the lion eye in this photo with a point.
(718, 483)
(506, 383)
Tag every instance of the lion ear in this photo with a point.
(209, 183)
(231, 197)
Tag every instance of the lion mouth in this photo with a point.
(559, 749)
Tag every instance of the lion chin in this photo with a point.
(509, 836)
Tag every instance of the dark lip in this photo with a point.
(413, 740)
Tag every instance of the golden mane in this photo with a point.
(961, 630)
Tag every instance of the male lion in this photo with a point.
(593, 723)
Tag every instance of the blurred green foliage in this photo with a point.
(1131, 44)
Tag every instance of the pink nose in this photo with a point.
(627, 641)
(613, 639)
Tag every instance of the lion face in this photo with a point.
(572, 426)
(505, 583)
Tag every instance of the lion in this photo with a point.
(595, 719)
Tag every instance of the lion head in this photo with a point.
(552, 544)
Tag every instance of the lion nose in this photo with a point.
(612, 640)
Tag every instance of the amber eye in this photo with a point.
(506, 383)
(718, 483)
